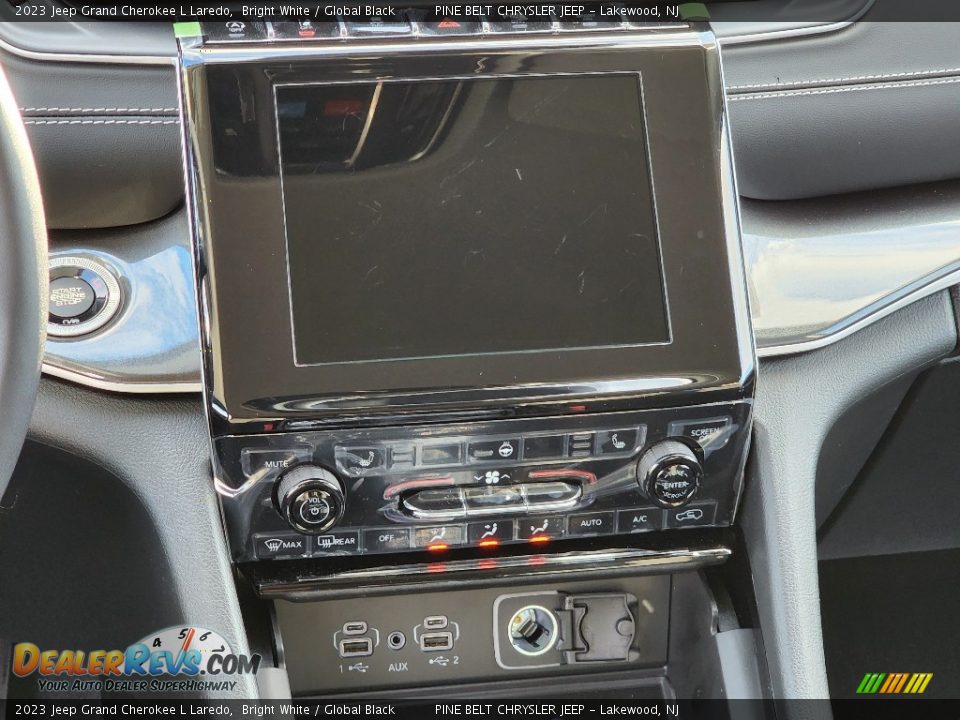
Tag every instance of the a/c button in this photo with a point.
(639, 520)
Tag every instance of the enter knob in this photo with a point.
(670, 473)
(310, 498)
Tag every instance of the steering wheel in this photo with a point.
(23, 291)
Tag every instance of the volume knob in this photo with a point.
(670, 473)
(310, 498)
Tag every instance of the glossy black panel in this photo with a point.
(505, 244)
(252, 376)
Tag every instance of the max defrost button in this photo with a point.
(279, 545)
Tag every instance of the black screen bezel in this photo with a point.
(250, 372)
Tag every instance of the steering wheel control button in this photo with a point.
(280, 545)
(310, 498)
(386, 540)
(710, 433)
(639, 520)
(617, 442)
(544, 447)
(83, 296)
(695, 515)
(494, 450)
(265, 462)
(539, 529)
(337, 543)
(599, 523)
(358, 461)
(670, 473)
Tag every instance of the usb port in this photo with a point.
(358, 647)
(435, 622)
(436, 641)
(357, 627)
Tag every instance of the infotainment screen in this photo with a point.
(436, 218)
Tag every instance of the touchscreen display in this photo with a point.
(451, 217)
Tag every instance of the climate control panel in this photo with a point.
(430, 489)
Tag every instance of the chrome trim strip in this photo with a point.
(517, 569)
(54, 370)
(54, 56)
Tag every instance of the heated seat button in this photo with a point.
(598, 523)
(360, 460)
(488, 499)
(612, 442)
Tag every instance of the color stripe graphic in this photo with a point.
(894, 683)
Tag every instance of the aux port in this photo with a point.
(396, 640)
(533, 630)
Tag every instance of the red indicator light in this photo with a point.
(491, 543)
(437, 547)
(436, 568)
(540, 539)
(268, 427)
(342, 108)
(537, 560)
(578, 408)
(487, 564)
(448, 24)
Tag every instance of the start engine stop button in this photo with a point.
(84, 296)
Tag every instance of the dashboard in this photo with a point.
(536, 430)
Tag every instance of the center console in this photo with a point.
(475, 332)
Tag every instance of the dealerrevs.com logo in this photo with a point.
(176, 659)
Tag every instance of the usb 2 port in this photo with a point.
(356, 647)
(436, 641)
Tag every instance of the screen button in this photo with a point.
(540, 527)
(492, 532)
(494, 450)
(711, 433)
(612, 442)
(438, 537)
(360, 460)
(544, 447)
(639, 520)
(386, 539)
(440, 454)
(342, 542)
(599, 523)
